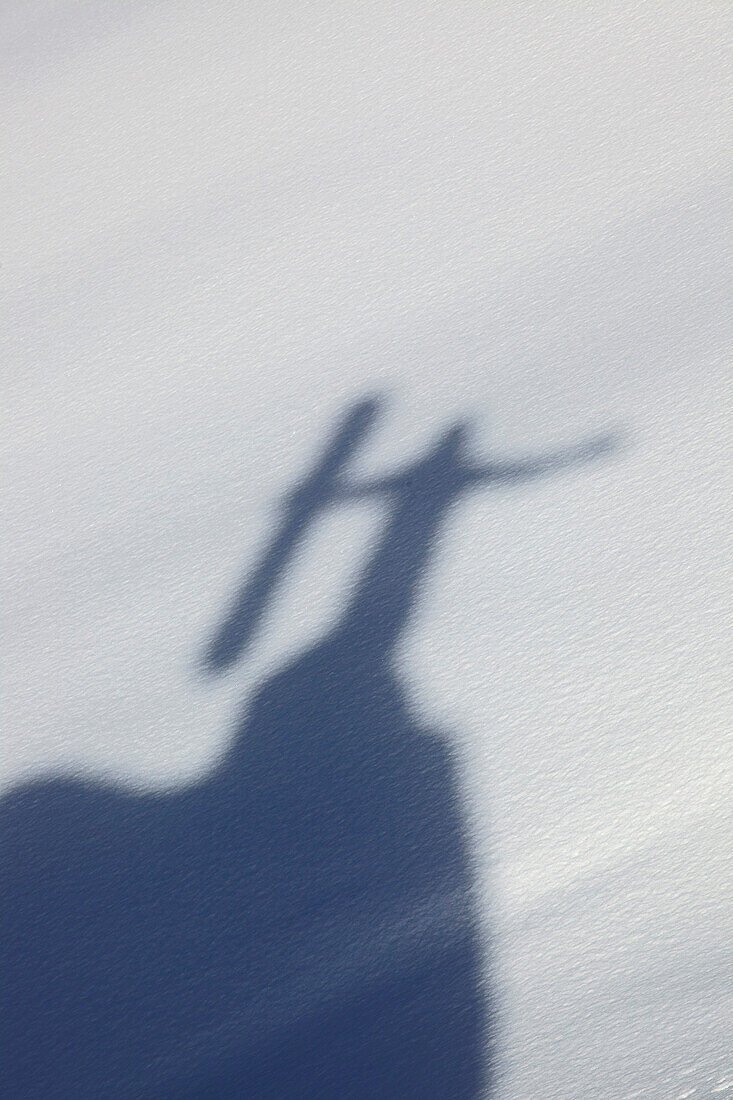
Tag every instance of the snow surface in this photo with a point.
(229, 221)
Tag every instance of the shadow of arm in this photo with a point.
(543, 465)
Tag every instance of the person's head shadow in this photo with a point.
(301, 922)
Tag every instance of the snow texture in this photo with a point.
(227, 223)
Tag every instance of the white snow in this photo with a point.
(227, 222)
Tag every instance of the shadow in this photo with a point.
(298, 924)
(301, 506)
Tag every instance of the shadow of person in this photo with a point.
(298, 924)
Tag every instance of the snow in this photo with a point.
(227, 223)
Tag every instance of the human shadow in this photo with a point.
(301, 922)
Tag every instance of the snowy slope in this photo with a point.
(227, 223)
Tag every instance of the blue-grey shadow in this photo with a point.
(300, 923)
